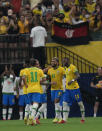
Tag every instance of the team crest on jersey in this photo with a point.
(57, 72)
(68, 69)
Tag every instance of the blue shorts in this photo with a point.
(34, 97)
(44, 98)
(8, 99)
(71, 96)
(61, 100)
(21, 101)
(56, 94)
(26, 99)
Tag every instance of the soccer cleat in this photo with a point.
(8, 119)
(82, 121)
(4, 119)
(55, 120)
(25, 120)
(21, 119)
(59, 120)
(94, 115)
(33, 122)
(30, 121)
(37, 121)
(62, 122)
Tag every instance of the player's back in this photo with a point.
(23, 73)
(34, 75)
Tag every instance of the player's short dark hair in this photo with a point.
(100, 67)
(55, 58)
(32, 62)
(27, 61)
(66, 58)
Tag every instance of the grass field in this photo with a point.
(73, 124)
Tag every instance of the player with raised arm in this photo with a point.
(8, 100)
(72, 92)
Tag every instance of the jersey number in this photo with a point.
(53, 75)
(33, 76)
(77, 97)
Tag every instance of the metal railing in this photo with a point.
(83, 65)
(14, 49)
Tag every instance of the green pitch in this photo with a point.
(91, 124)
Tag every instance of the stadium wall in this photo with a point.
(91, 52)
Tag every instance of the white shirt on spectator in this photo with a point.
(38, 34)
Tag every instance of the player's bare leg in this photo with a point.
(82, 109)
(96, 108)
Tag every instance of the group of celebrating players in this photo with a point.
(64, 90)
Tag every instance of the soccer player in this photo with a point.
(97, 83)
(20, 96)
(24, 98)
(8, 92)
(72, 92)
(34, 89)
(56, 74)
(43, 108)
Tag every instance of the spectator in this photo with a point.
(90, 6)
(62, 19)
(84, 15)
(38, 38)
(12, 25)
(98, 10)
(5, 5)
(3, 26)
(22, 11)
(96, 23)
(23, 25)
(75, 17)
(30, 18)
(37, 10)
(66, 11)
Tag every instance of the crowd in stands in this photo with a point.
(47, 11)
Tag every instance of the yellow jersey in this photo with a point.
(23, 73)
(37, 12)
(70, 74)
(22, 28)
(56, 76)
(3, 29)
(34, 76)
(90, 8)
